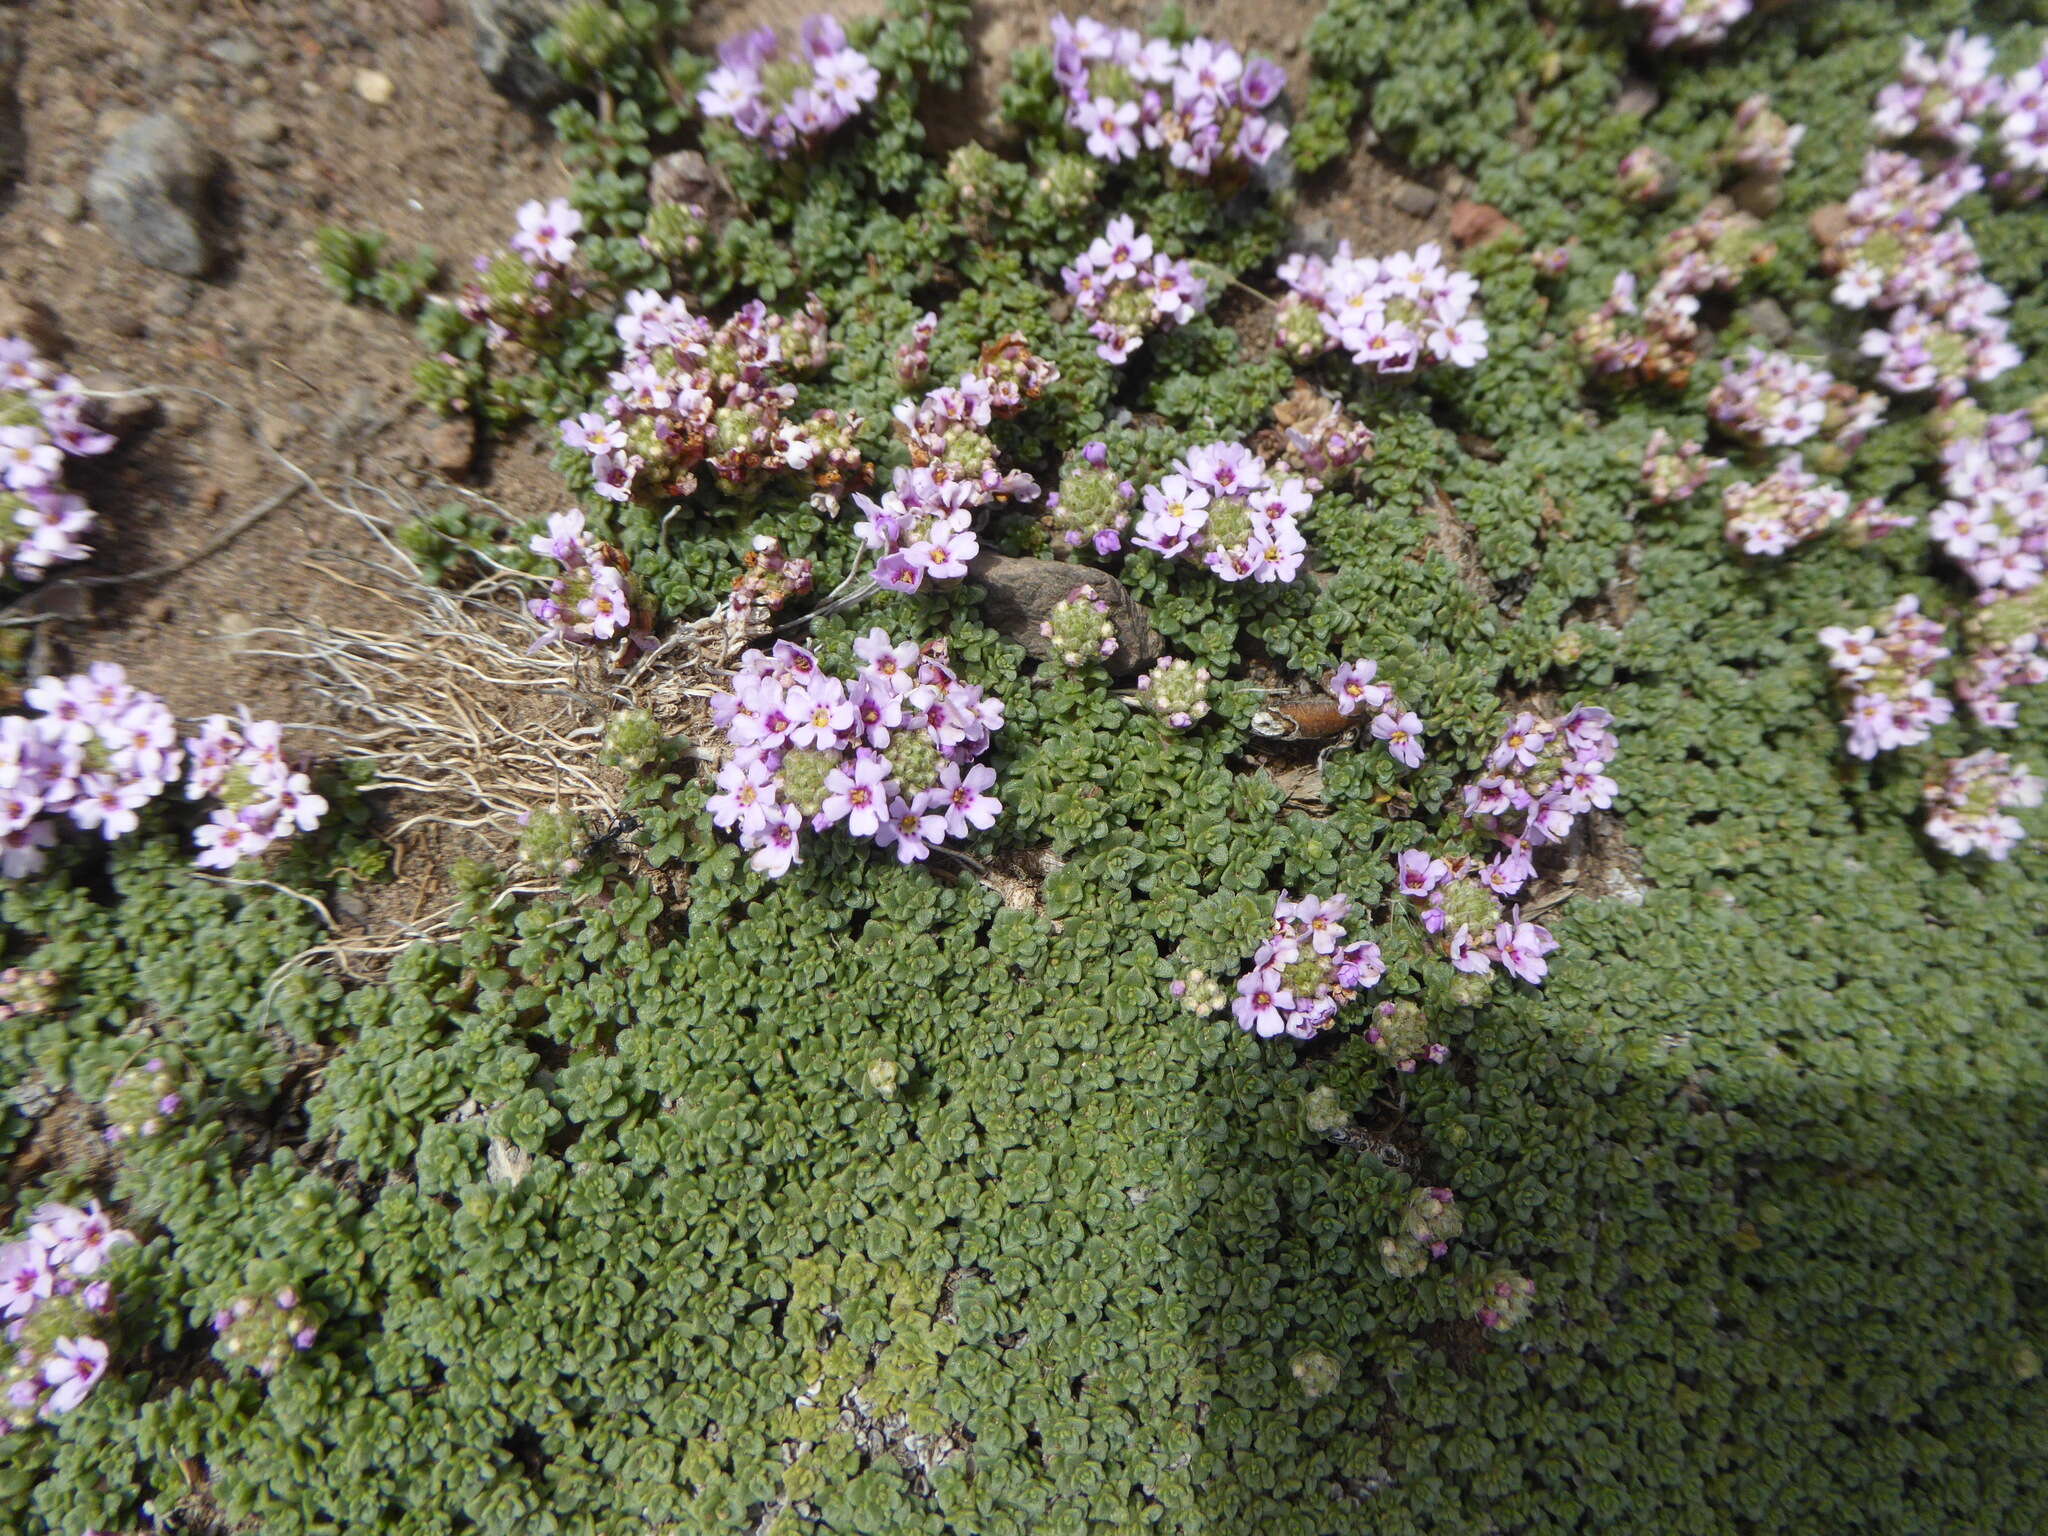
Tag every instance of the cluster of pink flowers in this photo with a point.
(264, 796)
(1997, 664)
(688, 393)
(262, 1331)
(56, 1312)
(914, 355)
(1127, 288)
(922, 528)
(42, 423)
(770, 578)
(521, 293)
(789, 99)
(1689, 23)
(1968, 808)
(1304, 970)
(1654, 338)
(1202, 102)
(1540, 778)
(1896, 250)
(588, 602)
(140, 1101)
(1771, 398)
(1459, 903)
(1995, 521)
(1760, 141)
(96, 750)
(1222, 507)
(1886, 675)
(1941, 96)
(1177, 691)
(1948, 98)
(889, 756)
(1787, 507)
(1674, 473)
(1393, 722)
(1393, 314)
(949, 429)
(1327, 450)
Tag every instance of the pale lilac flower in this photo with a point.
(1403, 735)
(70, 1371)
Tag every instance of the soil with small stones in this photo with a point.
(371, 113)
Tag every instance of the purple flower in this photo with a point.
(910, 831)
(1522, 947)
(1418, 874)
(860, 798)
(1403, 735)
(1263, 1002)
(25, 1277)
(1353, 687)
(1466, 956)
(962, 799)
(70, 1371)
(777, 849)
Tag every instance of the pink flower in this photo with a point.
(860, 798)
(1403, 735)
(70, 1371)
(1353, 687)
(25, 1278)
(1418, 873)
(777, 849)
(910, 831)
(962, 800)
(1522, 947)
(1466, 956)
(1263, 1002)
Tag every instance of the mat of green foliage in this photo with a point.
(1770, 1140)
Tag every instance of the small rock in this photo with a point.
(1416, 201)
(1828, 223)
(374, 86)
(1479, 223)
(1638, 98)
(259, 124)
(432, 13)
(150, 191)
(505, 30)
(1759, 195)
(1019, 596)
(687, 177)
(236, 51)
(66, 203)
(1768, 319)
(451, 445)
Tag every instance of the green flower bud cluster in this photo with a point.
(633, 741)
(1200, 993)
(1080, 628)
(142, 1100)
(1429, 1221)
(262, 1331)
